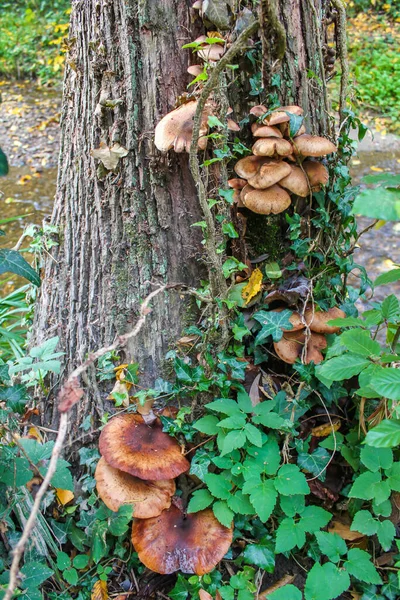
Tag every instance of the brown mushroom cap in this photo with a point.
(296, 182)
(176, 128)
(210, 52)
(284, 127)
(312, 145)
(271, 146)
(248, 166)
(269, 173)
(237, 184)
(115, 488)
(195, 70)
(295, 320)
(259, 110)
(194, 543)
(290, 347)
(317, 320)
(273, 200)
(141, 450)
(265, 131)
(280, 115)
(317, 174)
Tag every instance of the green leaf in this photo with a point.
(386, 533)
(80, 561)
(287, 592)
(225, 406)
(229, 230)
(118, 523)
(393, 475)
(342, 367)
(390, 307)
(62, 478)
(315, 462)
(234, 439)
(387, 383)
(272, 324)
(219, 487)
(35, 573)
(291, 505)
(326, 582)
(3, 164)
(376, 458)
(290, 480)
(240, 504)
(15, 474)
(11, 261)
(379, 203)
(347, 322)
(253, 435)
(261, 556)
(365, 523)
(389, 277)
(359, 565)
(223, 513)
(384, 435)
(200, 500)
(368, 486)
(296, 121)
(359, 341)
(71, 576)
(262, 496)
(15, 397)
(289, 535)
(273, 270)
(63, 560)
(331, 544)
(236, 421)
(314, 518)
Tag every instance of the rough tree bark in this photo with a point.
(119, 232)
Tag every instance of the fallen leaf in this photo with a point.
(187, 340)
(109, 156)
(69, 395)
(344, 531)
(325, 429)
(100, 590)
(253, 286)
(64, 496)
(205, 595)
(254, 392)
(35, 434)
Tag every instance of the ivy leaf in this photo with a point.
(262, 496)
(35, 573)
(290, 480)
(331, 544)
(359, 341)
(368, 486)
(359, 565)
(199, 464)
(15, 397)
(200, 500)
(272, 324)
(315, 462)
(261, 556)
(341, 367)
(325, 582)
(376, 458)
(384, 435)
(287, 592)
(296, 121)
(219, 487)
(223, 513)
(289, 535)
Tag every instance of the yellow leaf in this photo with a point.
(24, 179)
(122, 390)
(379, 224)
(253, 286)
(64, 496)
(325, 429)
(35, 433)
(377, 169)
(100, 590)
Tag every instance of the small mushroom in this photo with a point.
(116, 488)
(296, 182)
(272, 146)
(176, 128)
(273, 200)
(195, 70)
(290, 347)
(248, 166)
(173, 541)
(269, 173)
(145, 451)
(312, 145)
(232, 125)
(265, 131)
(317, 174)
(317, 320)
(258, 111)
(210, 52)
(237, 184)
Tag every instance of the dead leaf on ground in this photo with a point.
(100, 590)
(205, 595)
(187, 340)
(109, 156)
(326, 429)
(64, 496)
(254, 392)
(344, 531)
(253, 286)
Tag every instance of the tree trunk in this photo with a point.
(121, 231)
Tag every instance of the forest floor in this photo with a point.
(29, 134)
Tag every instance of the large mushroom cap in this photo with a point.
(194, 543)
(313, 145)
(290, 347)
(115, 488)
(280, 115)
(273, 200)
(271, 146)
(265, 131)
(317, 174)
(248, 166)
(176, 128)
(141, 450)
(317, 320)
(296, 182)
(269, 173)
(295, 319)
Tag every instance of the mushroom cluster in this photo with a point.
(138, 466)
(295, 340)
(280, 164)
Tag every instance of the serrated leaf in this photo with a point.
(289, 535)
(359, 565)
(200, 500)
(240, 504)
(261, 556)
(393, 475)
(286, 592)
(365, 523)
(223, 513)
(379, 203)
(314, 518)
(331, 544)
(376, 458)
(99, 590)
(384, 435)
(233, 440)
(386, 533)
(263, 497)
(253, 286)
(290, 480)
(390, 307)
(272, 324)
(326, 582)
(219, 487)
(368, 486)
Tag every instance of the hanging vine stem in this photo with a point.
(342, 47)
(217, 280)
